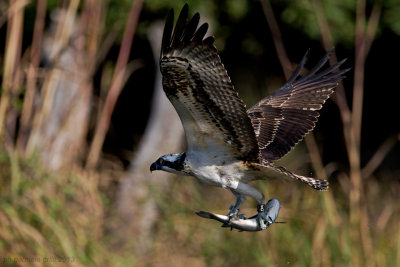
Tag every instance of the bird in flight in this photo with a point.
(227, 145)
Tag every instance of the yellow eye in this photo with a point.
(161, 161)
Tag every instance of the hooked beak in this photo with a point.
(154, 167)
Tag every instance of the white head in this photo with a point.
(173, 163)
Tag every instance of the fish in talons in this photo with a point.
(252, 224)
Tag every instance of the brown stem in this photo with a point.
(379, 156)
(277, 38)
(316, 160)
(26, 114)
(116, 85)
(11, 63)
(339, 97)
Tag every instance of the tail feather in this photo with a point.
(318, 184)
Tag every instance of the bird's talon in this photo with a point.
(263, 220)
(241, 216)
(234, 213)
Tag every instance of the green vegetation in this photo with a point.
(51, 216)
(339, 14)
(67, 215)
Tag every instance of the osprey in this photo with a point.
(227, 145)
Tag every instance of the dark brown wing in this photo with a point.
(195, 81)
(282, 119)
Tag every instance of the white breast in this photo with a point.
(216, 171)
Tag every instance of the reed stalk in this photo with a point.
(116, 86)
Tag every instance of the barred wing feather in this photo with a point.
(195, 81)
(283, 118)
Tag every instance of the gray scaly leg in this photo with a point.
(234, 210)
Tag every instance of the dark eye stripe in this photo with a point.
(176, 165)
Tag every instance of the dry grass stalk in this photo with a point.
(11, 69)
(63, 33)
(351, 119)
(27, 108)
(329, 204)
(380, 154)
(116, 86)
(60, 120)
(136, 206)
(277, 38)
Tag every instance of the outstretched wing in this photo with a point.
(283, 118)
(195, 81)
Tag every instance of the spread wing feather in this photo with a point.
(283, 118)
(195, 81)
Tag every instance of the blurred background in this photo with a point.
(83, 115)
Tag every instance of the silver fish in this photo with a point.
(251, 224)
